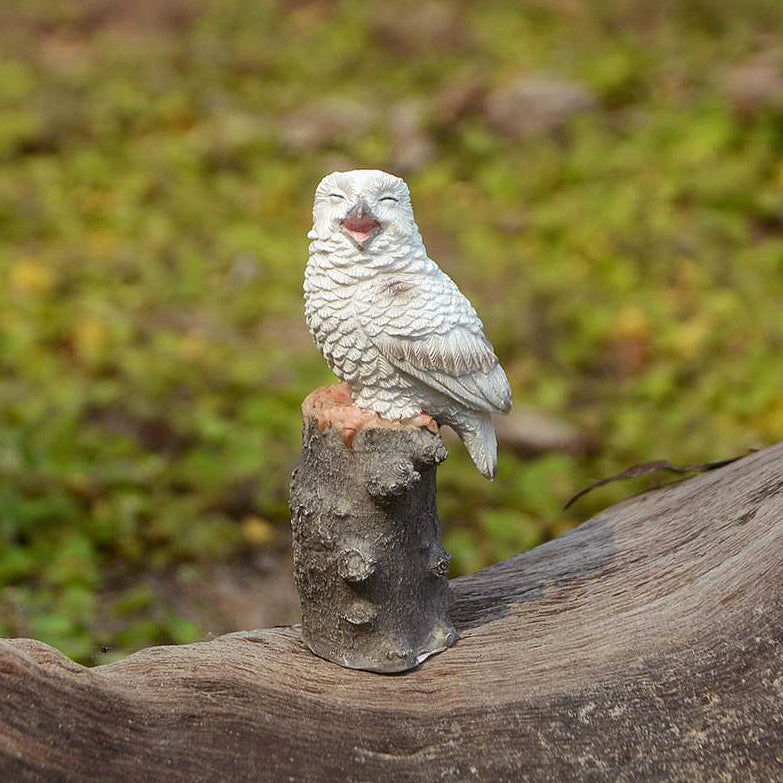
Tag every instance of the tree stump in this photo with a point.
(370, 568)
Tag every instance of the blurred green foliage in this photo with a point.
(157, 172)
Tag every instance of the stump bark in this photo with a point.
(646, 646)
(369, 565)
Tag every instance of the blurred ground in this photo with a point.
(602, 178)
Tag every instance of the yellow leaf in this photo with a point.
(689, 338)
(258, 531)
(632, 321)
(31, 278)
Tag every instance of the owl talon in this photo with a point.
(425, 421)
(355, 420)
(324, 422)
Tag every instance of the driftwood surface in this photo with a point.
(645, 646)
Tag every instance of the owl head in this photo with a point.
(366, 209)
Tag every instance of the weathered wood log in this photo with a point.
(370, 568)
(645, 646)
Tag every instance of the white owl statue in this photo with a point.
(390, 323)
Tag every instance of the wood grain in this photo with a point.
(645, 646)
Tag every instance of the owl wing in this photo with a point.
(425, 327)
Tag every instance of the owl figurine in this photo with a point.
(390, 323)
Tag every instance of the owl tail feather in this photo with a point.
(478, 435)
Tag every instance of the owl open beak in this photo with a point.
(361, 225)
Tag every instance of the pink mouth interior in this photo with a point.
(361, 228)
